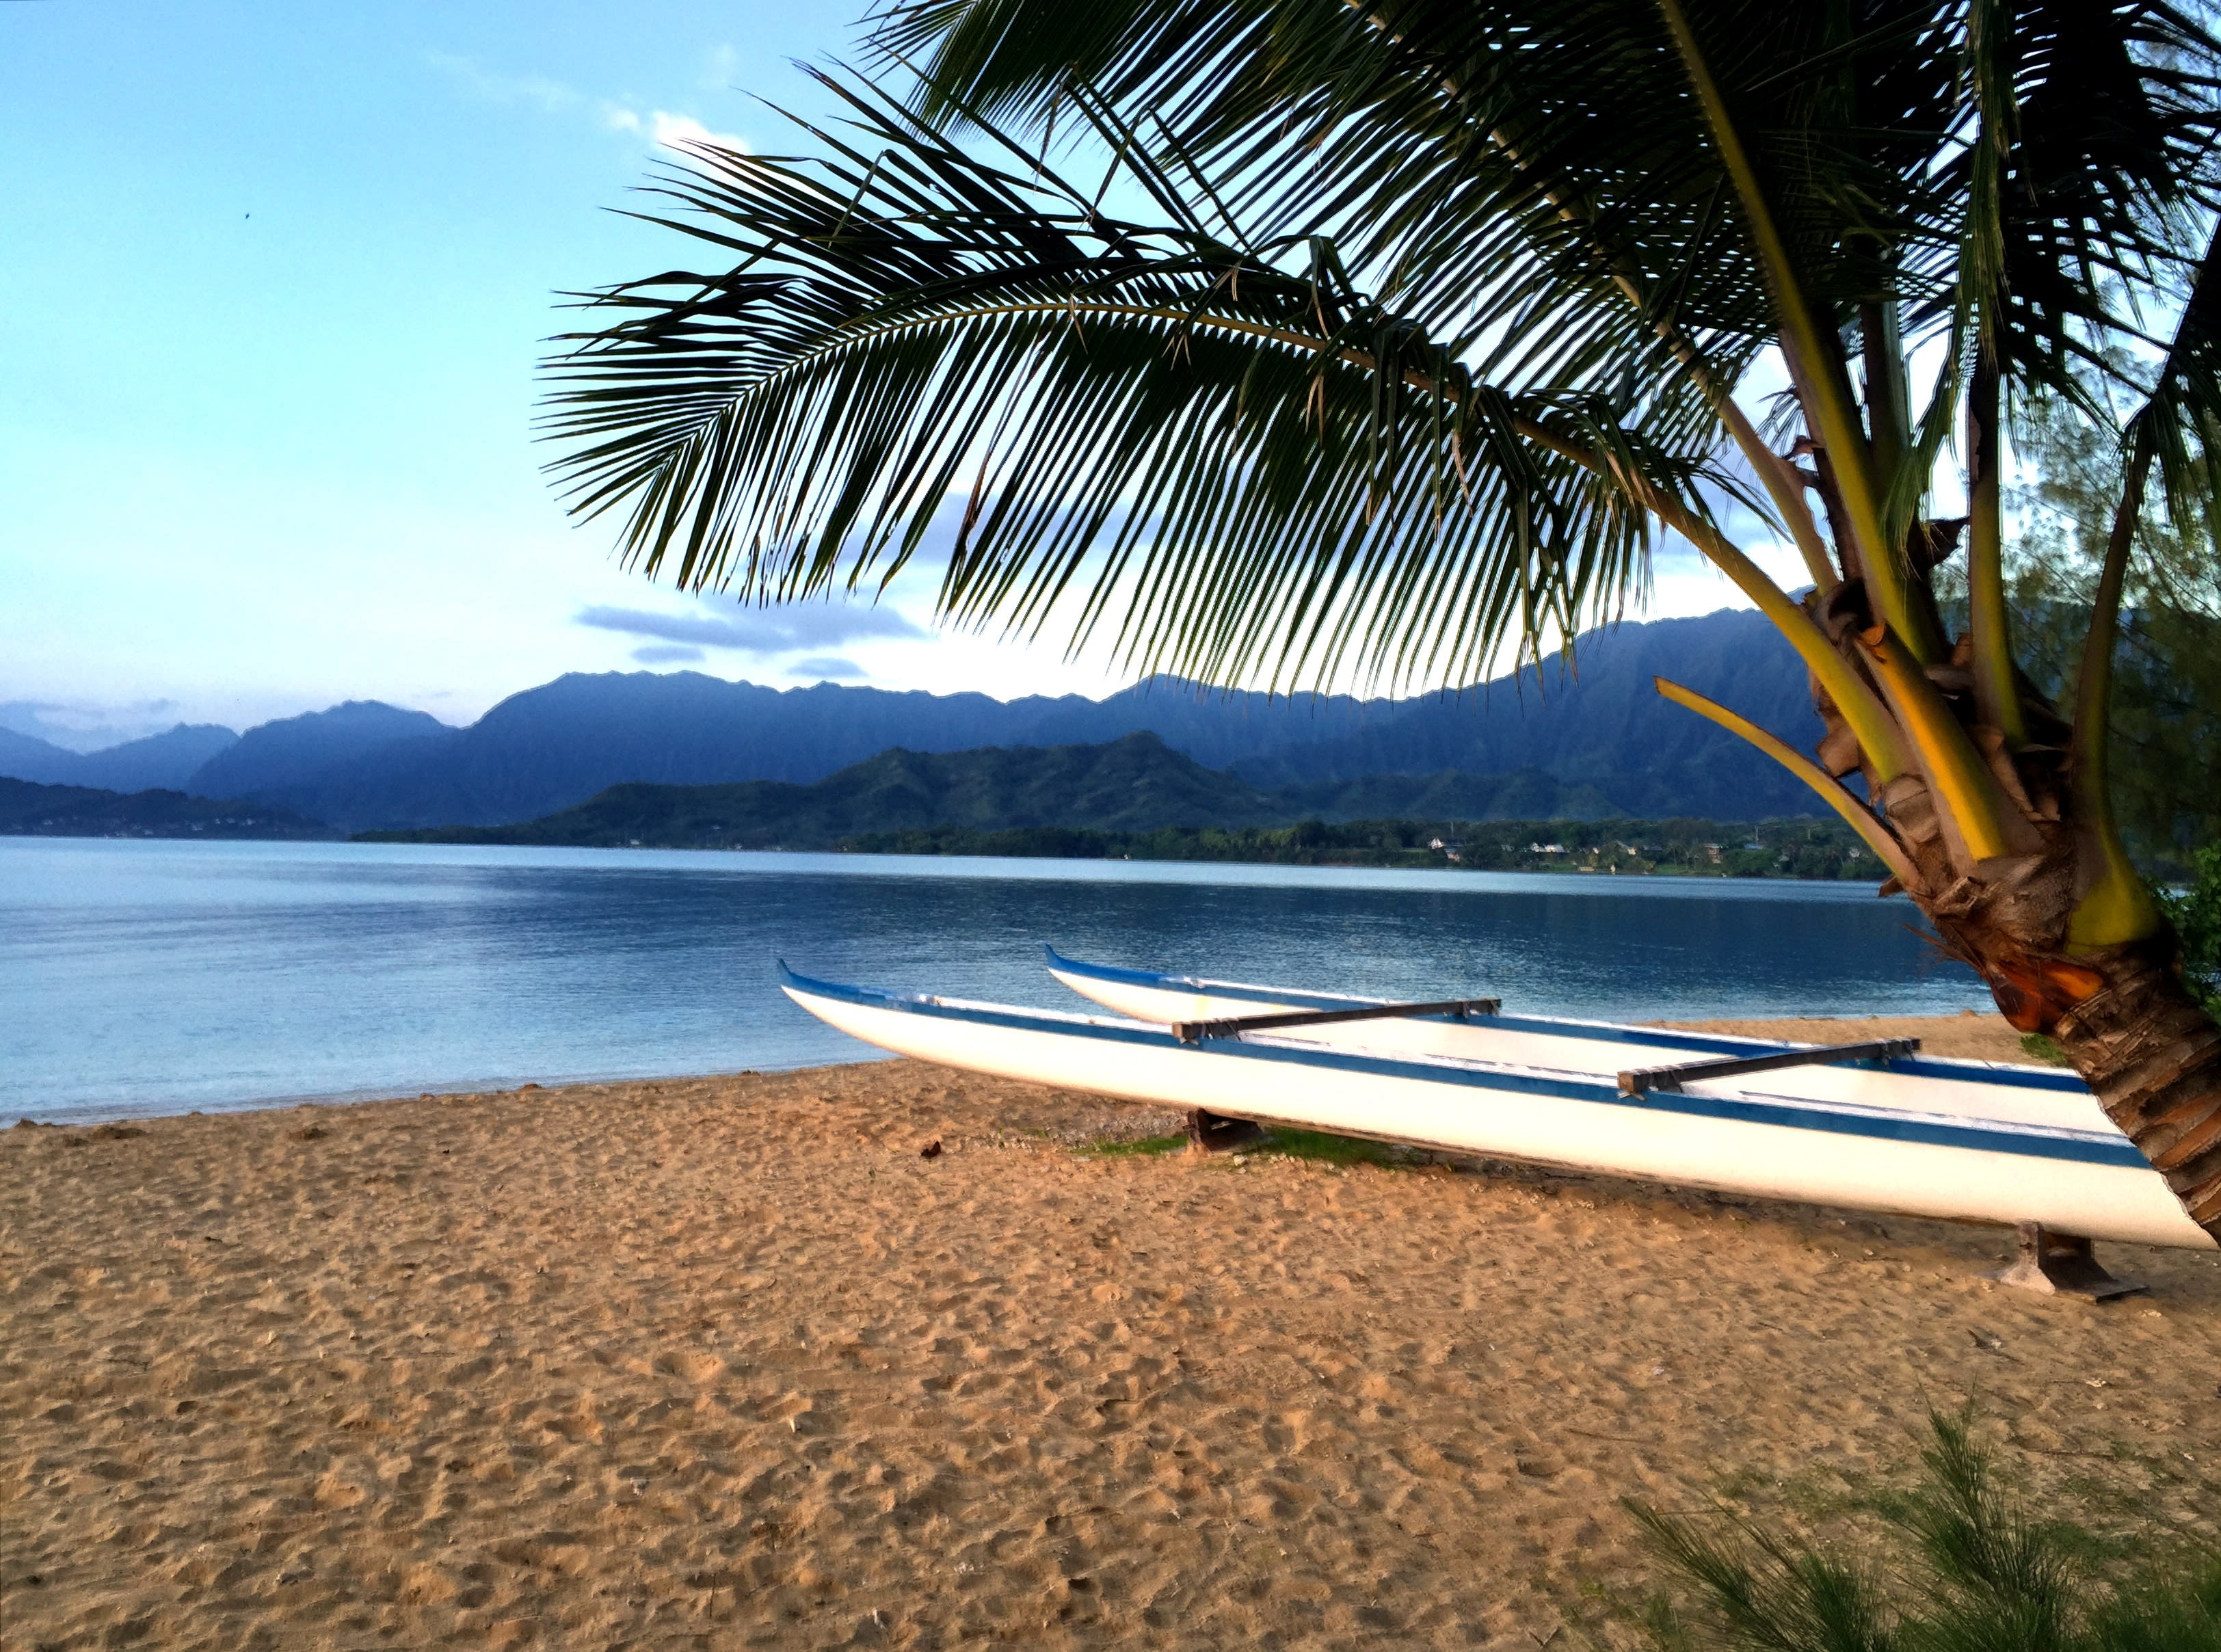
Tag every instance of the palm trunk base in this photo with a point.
(2059, 1264)
(2152, 1056)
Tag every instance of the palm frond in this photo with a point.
(1830, 790)
(1234, 454)
(2033, 177)
(1442, 147)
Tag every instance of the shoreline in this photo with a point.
(732, 1359)
(869, 848)
(1964, 1036)
(436, 837)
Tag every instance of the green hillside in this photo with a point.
(28, 810)
(1134, 785)
(1136, 798)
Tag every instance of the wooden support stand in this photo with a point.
(1208, 1133)
(2059, 1264)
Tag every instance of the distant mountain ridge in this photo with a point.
(1607, 727)
(293, 754)
(169, 759)
(365, 765)
(1136, 784)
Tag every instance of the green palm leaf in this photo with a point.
(2038, 170)
(1230, 449)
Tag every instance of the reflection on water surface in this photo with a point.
(157, 977)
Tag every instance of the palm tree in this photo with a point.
(1395, 331)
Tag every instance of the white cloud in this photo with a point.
(820, 667)
(552, 97)
(668, 130)
(786, 629)
(665, 128)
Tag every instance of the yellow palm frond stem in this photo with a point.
(1862, 819)
(1996, 691)
(1783, 485)
(2115, 909)
(1887, 409)
(1815, 354)
(1862, 710)
(1979, 820)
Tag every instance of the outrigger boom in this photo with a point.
(1672, 1078)
(1190, 1032)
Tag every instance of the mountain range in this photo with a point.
(1136, 784)
(1601, 734)
(165, 760)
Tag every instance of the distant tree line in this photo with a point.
(1772, 848)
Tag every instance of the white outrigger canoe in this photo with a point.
(1963, 1140)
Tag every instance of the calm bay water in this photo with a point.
(149, 978)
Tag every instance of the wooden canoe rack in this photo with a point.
(2061, 1264)
(1208, 1133)
(1194, 1032)
(1672, 1078)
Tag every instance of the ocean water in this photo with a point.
(149, 978)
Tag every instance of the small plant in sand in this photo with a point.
(1974, 1571)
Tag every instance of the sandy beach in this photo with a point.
(728, 1362)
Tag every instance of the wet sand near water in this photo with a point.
(726, 1364)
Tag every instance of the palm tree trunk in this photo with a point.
(2120, 1014)
(2153, 1057)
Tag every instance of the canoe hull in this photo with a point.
(1866, 1158)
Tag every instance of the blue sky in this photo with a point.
(274, 282)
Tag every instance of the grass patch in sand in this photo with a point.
(1135, 1147)
(1319, 1148)
(1314, 1146)
(2042, 1050)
